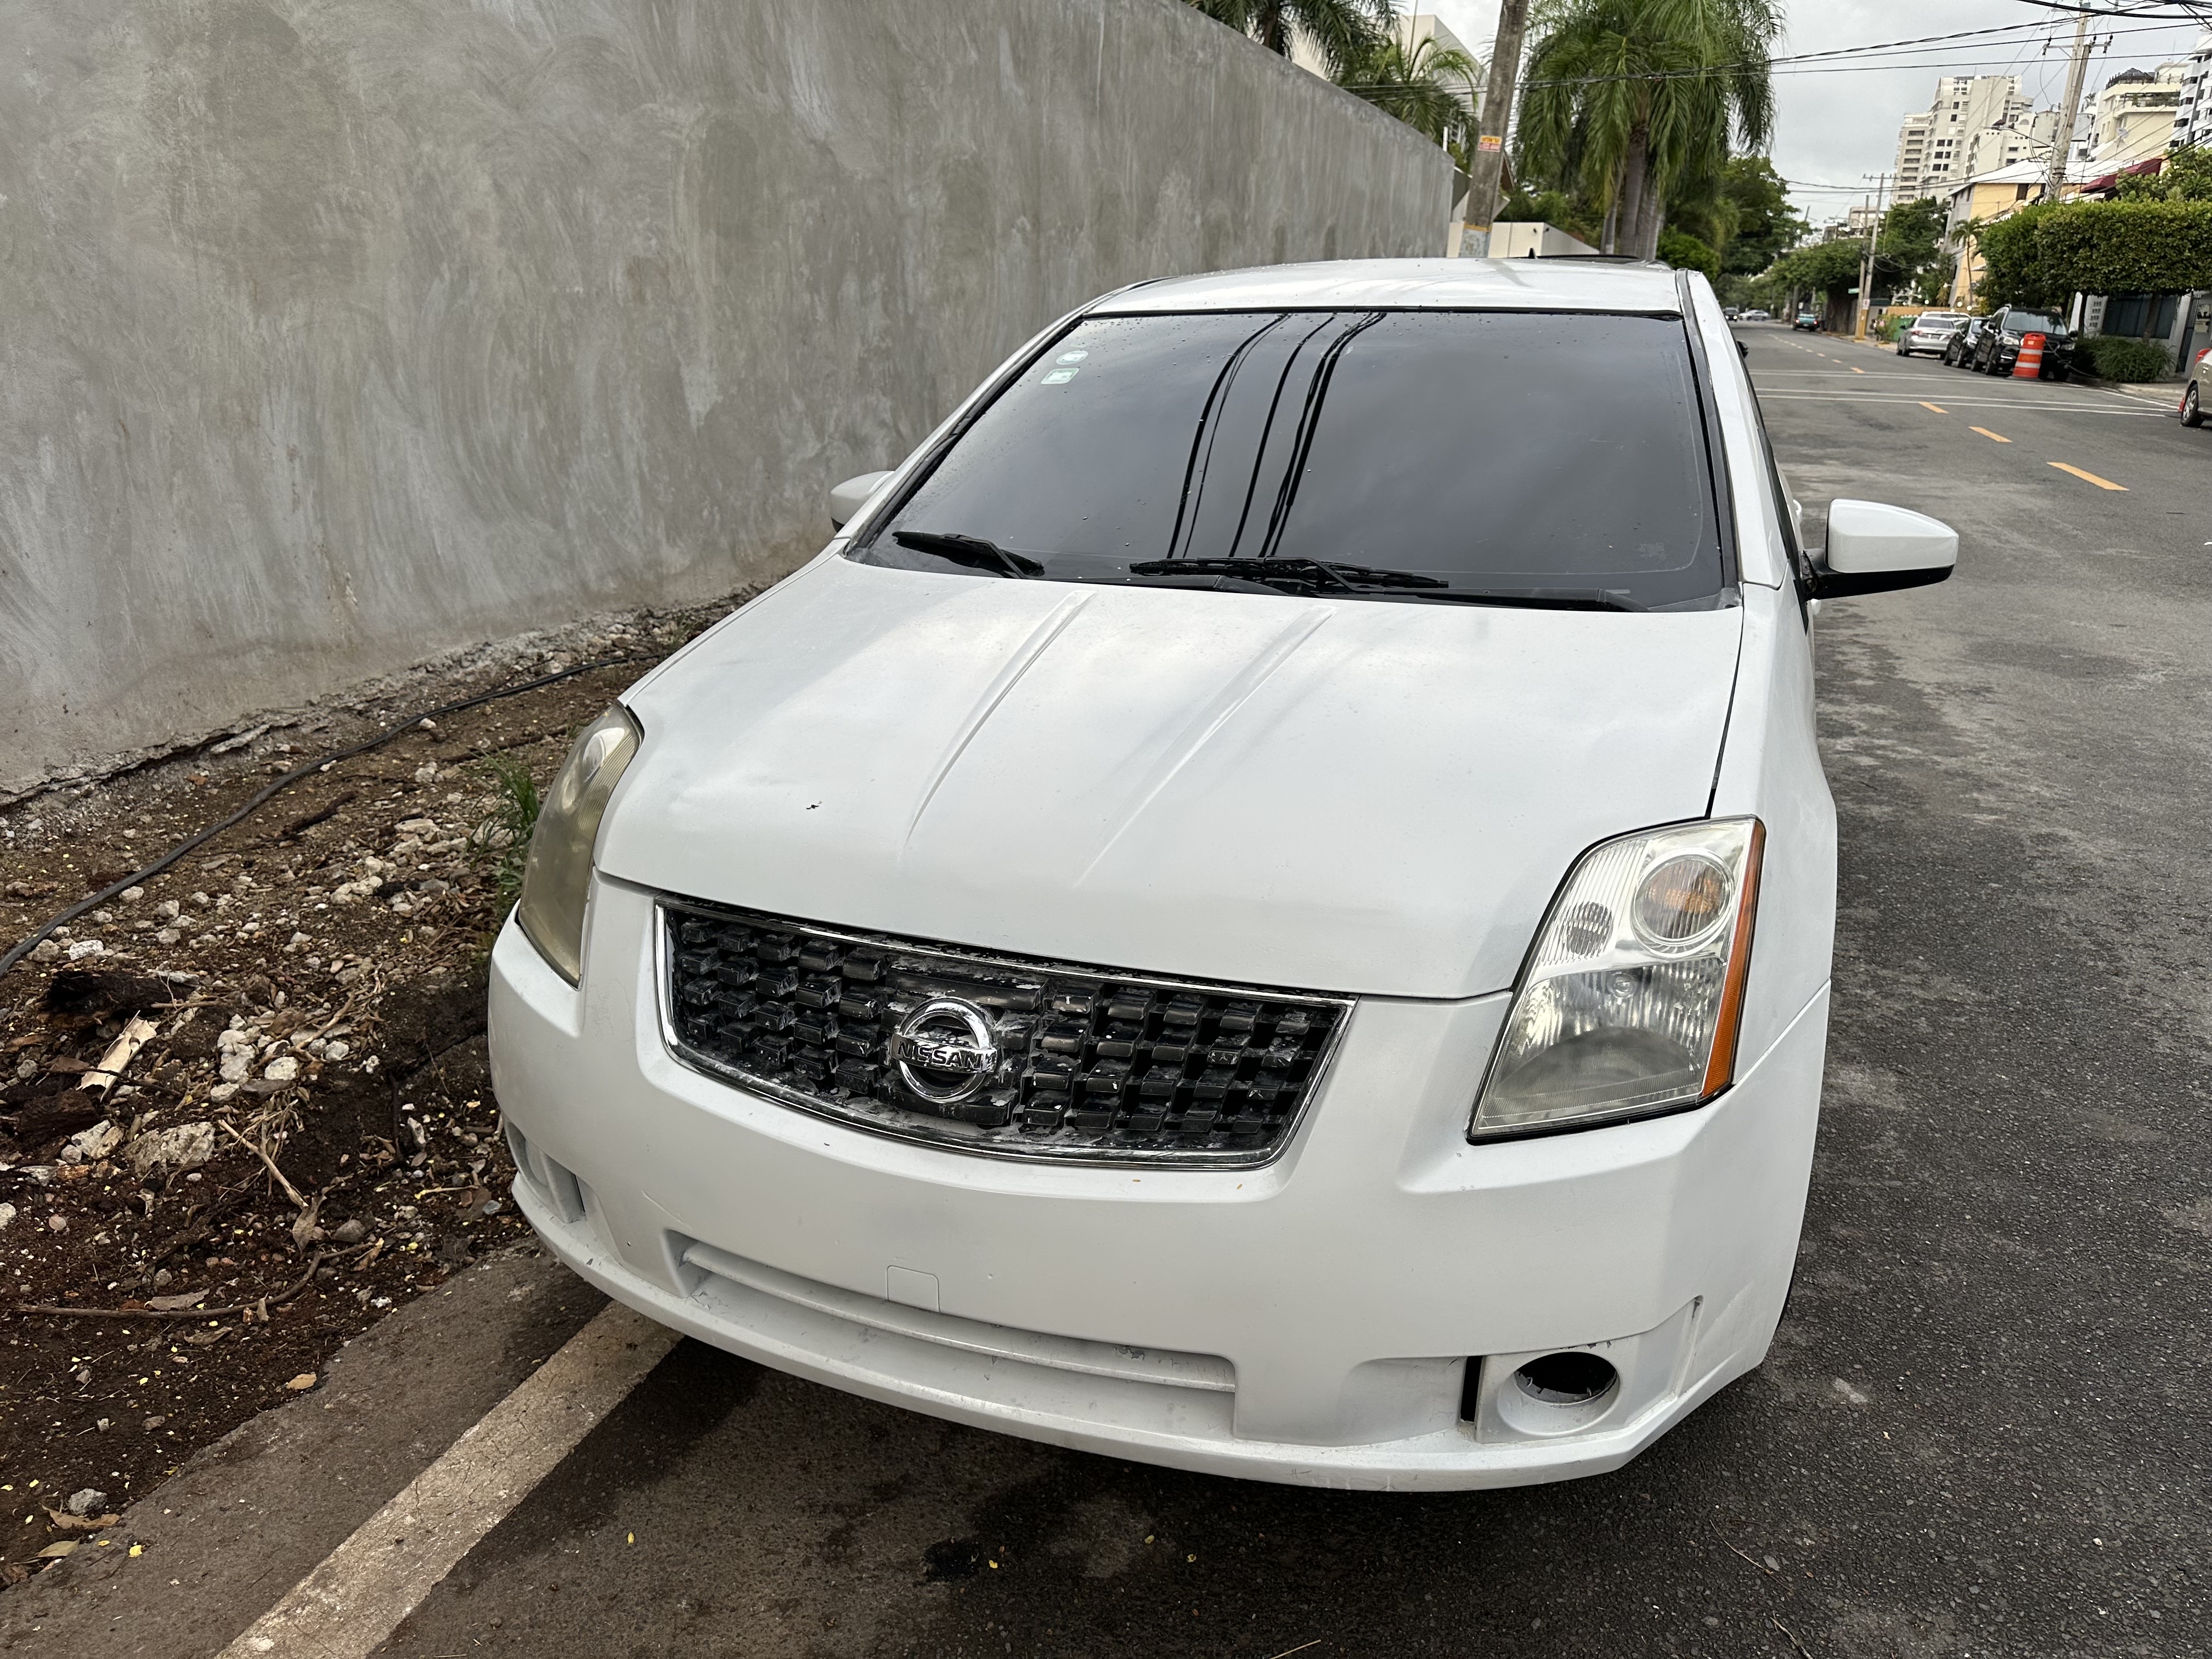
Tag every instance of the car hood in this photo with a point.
(1335, 795)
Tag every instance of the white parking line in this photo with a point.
(356, 1597)
(2068, 407)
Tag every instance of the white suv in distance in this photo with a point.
(1264, 906)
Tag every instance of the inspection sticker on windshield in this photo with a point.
(1075, 356)
(1057, 377)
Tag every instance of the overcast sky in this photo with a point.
(1832, 126)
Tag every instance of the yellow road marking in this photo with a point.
(1994, 437)
(1855, 369)
(2101, 483)
(1937, 408)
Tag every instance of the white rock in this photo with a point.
(282, 1069)
(186, 1146)
(44, 951)
(336, 1048)
(132, 894)
(167, 936)
(417, 826)
(7, 1215)
(169, 908)
(86, 947)
(92, 1144)
(221, 1093)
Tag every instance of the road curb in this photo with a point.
(247, 1517)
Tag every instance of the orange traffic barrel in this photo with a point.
(2028, 366)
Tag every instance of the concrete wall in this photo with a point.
(336, 332)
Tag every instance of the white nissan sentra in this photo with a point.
(1264, 906)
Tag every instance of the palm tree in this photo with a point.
(1632, 98)
(1431, 88)
(1343, 32)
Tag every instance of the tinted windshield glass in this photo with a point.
(2020, 321)
(1536, 455)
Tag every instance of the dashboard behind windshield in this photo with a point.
(1487, 452)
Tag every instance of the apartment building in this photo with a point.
(2135, 115)
(2192, 114)
(1974, 121)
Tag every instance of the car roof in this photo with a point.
(1553, 284)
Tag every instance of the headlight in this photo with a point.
(1631, 998)
(557, 879)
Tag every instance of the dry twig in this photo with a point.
(263, 1303)
(283, 1180)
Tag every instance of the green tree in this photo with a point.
(1633, 100)
(1908, 250)
(1830, 270)
(1767, 226)
(1431, 88)
(1685, 253)
(1343, 32)
(2186, 177)
(2044, 254)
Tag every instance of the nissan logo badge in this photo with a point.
(945, 1051)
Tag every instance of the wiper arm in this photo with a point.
(1350, 577)
(1539, 598)
(971, 550)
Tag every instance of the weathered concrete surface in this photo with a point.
(332, 336)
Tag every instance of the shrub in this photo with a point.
(1685, 253)
(2115, 357)
(502, 840)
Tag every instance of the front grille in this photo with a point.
(993, 1055)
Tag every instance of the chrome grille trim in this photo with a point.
(1021, 1132)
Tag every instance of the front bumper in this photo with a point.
(1324, 1320)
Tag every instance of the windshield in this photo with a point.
(2020, 322)
(1542, 457)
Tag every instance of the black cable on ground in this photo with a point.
(138, 876)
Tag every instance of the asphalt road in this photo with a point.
(1984, 1428)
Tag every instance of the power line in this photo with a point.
(1815, 64)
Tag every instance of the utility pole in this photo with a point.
(1486, 167)
(2061, 149)
(1865, 260)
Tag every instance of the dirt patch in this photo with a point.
(246, 1108)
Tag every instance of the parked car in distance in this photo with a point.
(1959, 350)
(2192, 392)
(1997, 347)
(1929, 332)
(1731, 311)
(1267, 991)
(1756, 315)
(1808, 321)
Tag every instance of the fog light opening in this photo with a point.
(1570, 1378)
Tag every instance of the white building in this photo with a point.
(2192, 114)
(1912, 154)
(1951, 141)
(2134, 115)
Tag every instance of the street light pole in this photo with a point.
(1486, 166)
(1866, 261)
(2075, 73)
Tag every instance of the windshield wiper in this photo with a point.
(971, 550)
(1304, 576)
(1351, 578)
(1537, 598)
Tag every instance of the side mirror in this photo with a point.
(849, 497)
(1873, 548)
